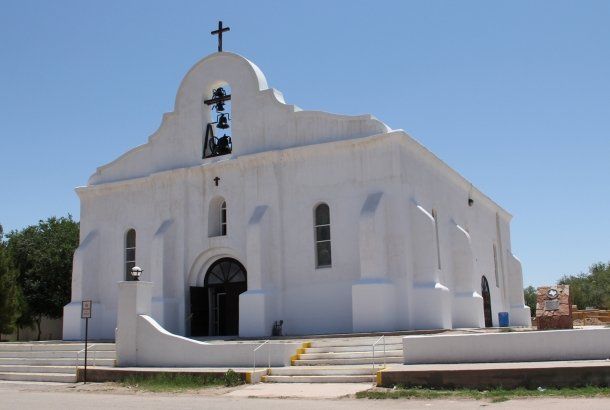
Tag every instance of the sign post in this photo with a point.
(85, 313)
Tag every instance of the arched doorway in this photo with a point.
(215, 306)
(486, 302)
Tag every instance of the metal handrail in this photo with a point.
(254, 356)
(375, 344)
(82, 351)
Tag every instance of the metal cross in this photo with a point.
(216, 180)
(219, 33)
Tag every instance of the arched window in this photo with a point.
(438, 245)
(486, 302)
(322, 235)
(130, 253)
(217, 217)
(223, 218)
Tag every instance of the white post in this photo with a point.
(134, 300)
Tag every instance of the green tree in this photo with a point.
(590, 289)
(530, 299)
(43, 256)
(9, 291)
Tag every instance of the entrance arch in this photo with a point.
(215, 305)
(486, 302)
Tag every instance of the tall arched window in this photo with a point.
(438, 245)
(322, 235)
(217, 217)
(130, 253)
(223, 218)
(486, 302)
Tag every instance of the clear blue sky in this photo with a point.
(514, 95)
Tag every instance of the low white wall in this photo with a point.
(578, 344)
(141, 341)
(157, 347)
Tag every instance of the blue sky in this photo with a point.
(514, 95)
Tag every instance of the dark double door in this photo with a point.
(486, 302)
(215, 306)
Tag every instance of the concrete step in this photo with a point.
(350, 355)
(39, 347)
(39, 377)
(334, 362)
(54, 361)
(319, 379)
(354, 348)
(64, 354)
(355, 341)
(36, 369)
(323, 371)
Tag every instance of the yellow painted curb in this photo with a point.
(293, 358)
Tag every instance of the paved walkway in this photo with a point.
(57, 396)
(300, 390)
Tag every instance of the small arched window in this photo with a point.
(496, 272)
(217, 217)
(130, 253)
(223, 218)
(438, 245)
(322, 235)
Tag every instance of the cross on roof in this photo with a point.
(219, 33)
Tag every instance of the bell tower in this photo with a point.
(220, 105)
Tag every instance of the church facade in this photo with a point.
(247, 212)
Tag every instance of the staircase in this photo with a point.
(348, 360)
(51, 361)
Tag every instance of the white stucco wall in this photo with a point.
(285, 162)
(577, 344)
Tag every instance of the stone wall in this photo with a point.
(590, 316)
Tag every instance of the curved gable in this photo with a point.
(261, 121)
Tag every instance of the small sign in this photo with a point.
(552, 304)
(85, 312)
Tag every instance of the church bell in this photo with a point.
(223, 122)
(219, 95)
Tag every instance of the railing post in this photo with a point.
(373, 357)
(384, 351)
(374, 344)
(254, 355)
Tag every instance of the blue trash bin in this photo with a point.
(503, 319)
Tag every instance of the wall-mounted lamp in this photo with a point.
(136, 272)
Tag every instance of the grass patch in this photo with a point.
(170, 382)
(494, 395)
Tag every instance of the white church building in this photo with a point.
(245, 211)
